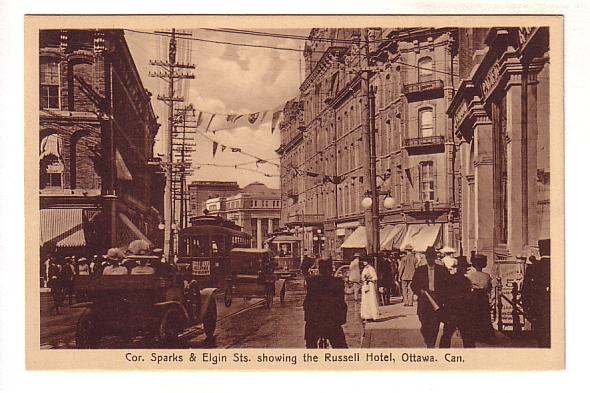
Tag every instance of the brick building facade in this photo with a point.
(201, 190)
(413, 74)
(96, 136)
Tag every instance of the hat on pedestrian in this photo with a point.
(430, 252)
(448, 250)
(356, 254)
(409, 247)
(114, 254)
(158, 251)
(545, 248)
(479, 260)
(82, 259)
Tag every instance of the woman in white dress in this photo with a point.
(369, 302)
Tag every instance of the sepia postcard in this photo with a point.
(294, 192)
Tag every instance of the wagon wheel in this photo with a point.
(228, 296)
(269, 295)
(282, 295)
(171, 325)
(210, 321)
(86, 335)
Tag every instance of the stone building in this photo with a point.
(256, 208)
(96, 136)
(501, 115)
(413, 72)
(201, 190)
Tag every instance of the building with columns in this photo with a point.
(501, 116)
(256, 208)
(324, 145)
(96, 137)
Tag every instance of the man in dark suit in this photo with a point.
(430, 279)
(325, 308)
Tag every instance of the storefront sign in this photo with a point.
(491, 79)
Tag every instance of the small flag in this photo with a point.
(233, 118)
(223, 147)
(200, 119)
(236, 149)
(215, 144)
(252, 117)
(210, 121)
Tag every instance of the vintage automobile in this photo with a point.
(166, 307)
(252, 275)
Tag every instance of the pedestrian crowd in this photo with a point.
(450, 289)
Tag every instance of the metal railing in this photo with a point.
(424, 141)
(423, 86)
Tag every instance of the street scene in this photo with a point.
(294, 188)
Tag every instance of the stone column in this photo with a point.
(483, 186)
(517, 164)
(258, 233)
(270, 227)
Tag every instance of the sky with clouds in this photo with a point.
(228, 79)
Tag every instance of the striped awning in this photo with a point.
(392, 236)
(62, 227)
(421, 236)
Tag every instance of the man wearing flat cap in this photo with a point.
(325, 308)
(430, 283)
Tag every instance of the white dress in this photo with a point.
(369, 302)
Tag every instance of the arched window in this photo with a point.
(49, 84)
(425, 122)
(425, 69)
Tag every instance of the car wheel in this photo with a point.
(282, 294)
(87, 336)
(269, 295)
(210, 321)
(228, 296)
(171, 325)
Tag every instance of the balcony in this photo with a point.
(430, 88)
(424, 142)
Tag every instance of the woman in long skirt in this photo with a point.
(369, 302)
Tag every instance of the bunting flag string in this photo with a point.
(214, 122)
(325, 178)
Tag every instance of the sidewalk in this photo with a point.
(399, 327)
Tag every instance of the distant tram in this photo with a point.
(285, 249)
(204, 247)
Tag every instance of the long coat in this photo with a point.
(420, 282)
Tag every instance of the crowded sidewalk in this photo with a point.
(399, 327)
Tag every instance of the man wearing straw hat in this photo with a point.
(407, 268)
(448, 260)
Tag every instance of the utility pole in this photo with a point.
(170, 74)
(372, 215)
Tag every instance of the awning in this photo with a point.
(357, 239)
(391, 236)
(340, 231)
(127, 231)
(62, 227)
(50, 145)
(421, 236)
(122, 170)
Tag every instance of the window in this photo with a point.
(199, 246)
(52, 170)
(49, 85)
(425, 69)
(425, 123)
(427, 177)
